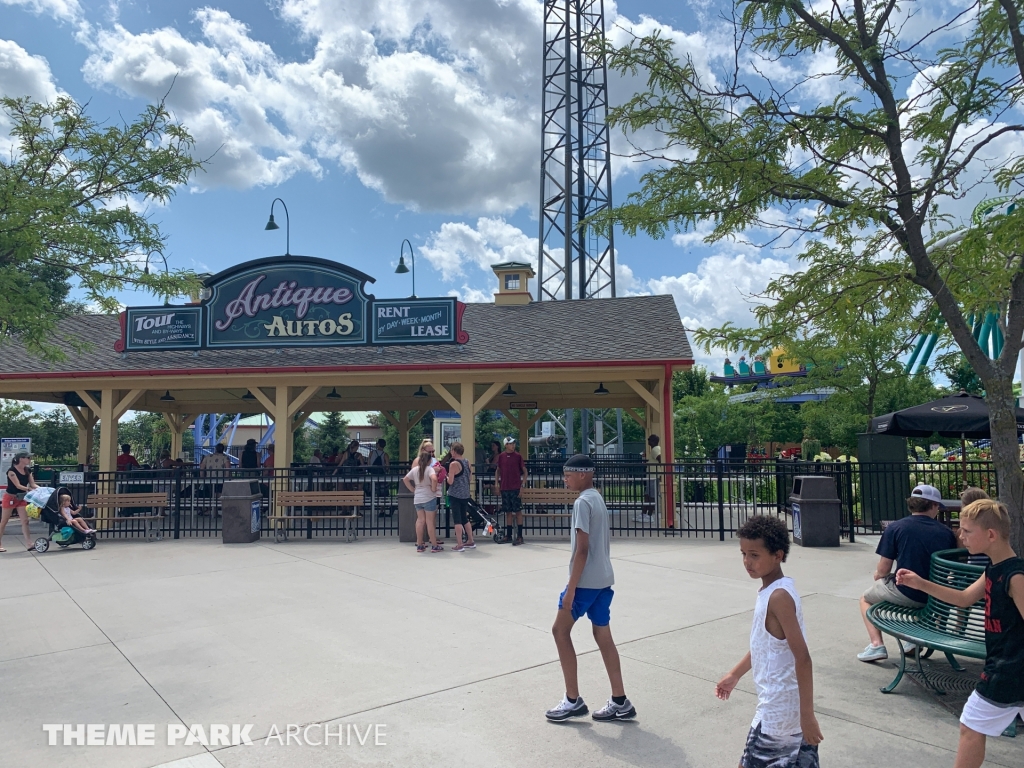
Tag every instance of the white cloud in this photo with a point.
(457, 245)
(62, 10)
(472, 295)
(433, 103)
(22, 74)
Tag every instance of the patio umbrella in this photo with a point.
(961, 415)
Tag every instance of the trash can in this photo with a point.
(406, 515)
(241, 502)
(815, 506)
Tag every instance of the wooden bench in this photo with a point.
(303, 499)
(117, 501)
(562, 497)
(938, 626)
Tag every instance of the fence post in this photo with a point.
(721, 499)
(848, 473)
(177, 503)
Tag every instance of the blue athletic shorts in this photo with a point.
(595, 604)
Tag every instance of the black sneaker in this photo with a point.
(613, 711)
(566, 709)
(518, 541)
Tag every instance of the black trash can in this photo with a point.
(406, 515)
(241, 505)
(815, 506)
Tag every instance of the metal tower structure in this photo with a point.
(575, 166)
(575, 174)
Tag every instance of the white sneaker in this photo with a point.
(873, 653)
(613, 711)
(908, 648)
(566, 709)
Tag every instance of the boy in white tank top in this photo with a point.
(785, 732)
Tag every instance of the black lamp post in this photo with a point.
(149, 255)
(401, 269)
(271, 224)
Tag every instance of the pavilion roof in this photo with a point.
(644, 329)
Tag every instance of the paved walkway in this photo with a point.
(449, 654)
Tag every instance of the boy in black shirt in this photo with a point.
(999, 697)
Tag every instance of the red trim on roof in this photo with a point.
(433, 367)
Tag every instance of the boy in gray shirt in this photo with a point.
(589, 592)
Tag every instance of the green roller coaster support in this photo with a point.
(926, 355)
(998, 343)
(913, 355)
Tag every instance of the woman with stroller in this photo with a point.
(458, 497)
(422, 481)
(19, 482)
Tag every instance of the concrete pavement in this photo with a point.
(440, 659)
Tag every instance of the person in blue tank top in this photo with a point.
(784, 732)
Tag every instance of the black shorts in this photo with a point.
(764, 751)
(460, 508)
(510, 501)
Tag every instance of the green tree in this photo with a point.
(148, 435)
(390, 434)
(863, 183)
(57, 436)
(332, 433)
(67, 220)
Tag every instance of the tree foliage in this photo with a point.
(332, 433)
(54, 435)
(865, 182)
(69, 224)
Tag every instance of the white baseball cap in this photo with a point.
(929, 492)
(510, 441)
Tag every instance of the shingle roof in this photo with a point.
(635, 328)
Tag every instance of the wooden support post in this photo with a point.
(403, 435)
(86, 420)
(108, 434)
(467, 414)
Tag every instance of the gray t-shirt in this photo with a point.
(590, 515)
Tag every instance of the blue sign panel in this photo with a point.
(163, 328)
(287, 302)
(413, 321)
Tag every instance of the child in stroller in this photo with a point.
(72, 514)
(66, 529)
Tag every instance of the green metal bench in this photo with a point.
(938, 626)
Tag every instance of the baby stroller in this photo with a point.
(61, 534)
(483, 520)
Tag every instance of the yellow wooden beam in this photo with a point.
(644, 393)
(127, 402)
(448, 397)
(487, 396)
(302, 399)
(389, 419)
(89, 400)
(265, 401)
(635, 417)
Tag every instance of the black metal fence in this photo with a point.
(696, 499)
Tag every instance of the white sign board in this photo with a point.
(72, 478)
(9, 446)
(547, 428)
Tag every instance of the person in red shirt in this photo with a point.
(510, 474)
(126, 461)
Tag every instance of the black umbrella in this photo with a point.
(961, 415)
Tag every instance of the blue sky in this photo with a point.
(253, 76)
(376, 120)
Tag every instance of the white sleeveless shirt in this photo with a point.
(774, 668)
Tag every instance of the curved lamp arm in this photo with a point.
(271, 224)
